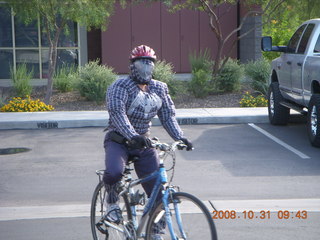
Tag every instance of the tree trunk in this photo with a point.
(51, 67)
(53, 53)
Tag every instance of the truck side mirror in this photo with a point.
(266, 44)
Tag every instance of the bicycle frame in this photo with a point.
(161, 181)
(161, 186)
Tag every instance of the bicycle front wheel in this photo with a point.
(102, 230)
(190, 220)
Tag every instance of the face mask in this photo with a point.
(141, 71)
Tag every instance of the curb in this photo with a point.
(77, 119)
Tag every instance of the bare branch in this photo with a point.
(214, 19)
(255, 12)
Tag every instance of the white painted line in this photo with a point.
(83, 210)
(44, 212)
(277, 140)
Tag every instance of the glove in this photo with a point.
(139, 141)
(188, 143)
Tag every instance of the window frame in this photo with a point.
(299, 31)
(305, 38)
(40, 49)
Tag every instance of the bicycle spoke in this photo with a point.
(189, 220)
(101, 229)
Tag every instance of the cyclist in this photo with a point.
(132, 102)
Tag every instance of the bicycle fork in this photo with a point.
(167, 197)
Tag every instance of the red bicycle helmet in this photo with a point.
(143, 51)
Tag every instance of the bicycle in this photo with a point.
(182, 215)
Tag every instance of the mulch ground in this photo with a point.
(72, 101)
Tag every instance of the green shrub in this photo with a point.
(163, 71)
(201, 66)
(201, 61)
(63, 77)
(93, 80)
(250, 101)
(18, 104)
(21, 80)
(229, 78)
(259, 72)
(199, 84)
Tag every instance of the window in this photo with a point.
(305, 39)
(293, 43)
(6, 62)
(317, 47)
(21, 43)
(26, 35)
(5, 27)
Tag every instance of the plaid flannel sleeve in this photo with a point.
(117, 97)
(167, 115)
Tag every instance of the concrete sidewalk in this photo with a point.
(193, 116)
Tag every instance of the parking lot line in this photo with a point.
(280, 142)
(83, 210)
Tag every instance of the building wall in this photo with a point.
(172, 36)
(250, 45)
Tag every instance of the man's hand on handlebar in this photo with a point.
(140, 141)
(187, 143)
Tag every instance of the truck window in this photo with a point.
(317, 47)
(305, 39)
(293, 43)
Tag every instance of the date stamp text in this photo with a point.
(264, 214)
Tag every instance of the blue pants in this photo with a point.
(116, 156)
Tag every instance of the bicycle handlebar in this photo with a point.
(165, 147)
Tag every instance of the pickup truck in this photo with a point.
(295, 78)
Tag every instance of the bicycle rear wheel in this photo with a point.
(102, 230)
(190, 219)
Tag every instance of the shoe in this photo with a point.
(113, 213)
(157, 237)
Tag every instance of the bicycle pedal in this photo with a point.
(112, 220)
(100, 228)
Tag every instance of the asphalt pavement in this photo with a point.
(45, 193)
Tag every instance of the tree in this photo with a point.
(287, 19)
(55, 14)
(212, 7)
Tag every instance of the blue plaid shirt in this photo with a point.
(131, 110)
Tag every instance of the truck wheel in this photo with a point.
(314, 120)
(278, 114)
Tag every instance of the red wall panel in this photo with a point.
(116, 41)
(189, 37)
(228, 18)
(170, 38)
(173, 36)
(208, 39)
(146, 26)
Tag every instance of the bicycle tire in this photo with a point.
(197, 222)
(98, 210)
